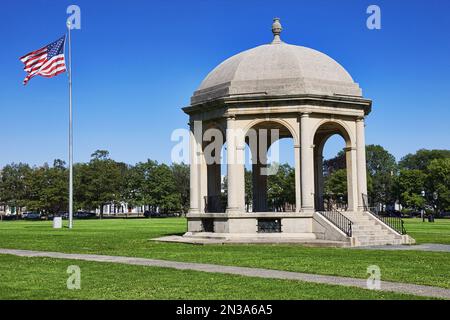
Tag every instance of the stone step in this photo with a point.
(370, 238)
(370, 233)
(357, 227)
(378, 243)
(357, 217)
(366, 224)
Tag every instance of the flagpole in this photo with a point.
(70, 133)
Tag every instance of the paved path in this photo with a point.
(420, 247)
(406, 288)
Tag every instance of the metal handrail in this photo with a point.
(396, 223)
(339, 220)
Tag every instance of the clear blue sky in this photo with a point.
(136, 63)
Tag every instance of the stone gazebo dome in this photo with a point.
(253, 99)
(277, 69)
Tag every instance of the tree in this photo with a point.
(438, 181)
(248, 188)
(336, 184)
(158, 186)
(164, 190)
(99, 182)
(409, 185)
(13, 189)
(131, 190)
(422, 159)
(47, 188)
(334, 164)
(181, 176)
(281, 187)
(100, 155)
(382, 168)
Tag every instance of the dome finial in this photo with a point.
(276, 30)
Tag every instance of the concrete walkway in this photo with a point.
(406, 288)
(432, 247)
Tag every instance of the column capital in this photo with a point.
(230, 117)
(305, 114)
(349, 148)
(360, 119)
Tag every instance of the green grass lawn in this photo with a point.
(425, 232)
(131, 238)
(44, 278)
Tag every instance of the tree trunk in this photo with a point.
(101, 211)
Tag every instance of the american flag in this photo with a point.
(46, 62)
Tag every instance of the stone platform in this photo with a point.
(205, 238)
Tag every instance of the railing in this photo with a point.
(395, 223)
(339, 220)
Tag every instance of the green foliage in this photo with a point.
(181, 176)
(382, 168)
(248, 188)
(336, 184)
(428, 171)
(47, 189)
(422, 159)
(281, 186)
(13, 185)
(104, 181)
(157, 186)
(99, 182)
(409, 185)
(438, 181)
(334, 164)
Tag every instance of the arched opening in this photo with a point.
(333, 177)
(270, 170)
(214, 183)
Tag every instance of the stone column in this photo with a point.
(352, 188)
(361, 161)
(298, 201)
(193, 177)
(307, 164)
(235, 168)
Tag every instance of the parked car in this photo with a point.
(84, 215)
(10, 217)
(151, 214)
(31, 216)
(64, 215)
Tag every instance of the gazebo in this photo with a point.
(271, 92)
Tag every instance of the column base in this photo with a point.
(234, 211)
(193, 211)
(307, 210)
